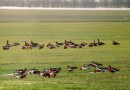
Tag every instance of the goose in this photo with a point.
(40, 46)
(51, 46)
(33, 71)
(100, 69)
(23, 47)
(48, 73)
(115, 43)
(26, 44)
(91, 45)
(21, 73)
(96, 64)
(83, 44)
(56, 70)
(79, 46)
(66, 42)
(71, 68)
(5, 48)
(65, 46)
(7, 44)
(86, 66)
(16, 44)
(100, 43)
(94, 43)
(112, 70)
(59, 44)
(34, 44)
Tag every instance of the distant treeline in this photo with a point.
(67, 3)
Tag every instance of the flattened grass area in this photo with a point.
(45, 32)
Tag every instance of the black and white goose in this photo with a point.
(33, 71)
(96, 64)
(86, 66)
(71, 68)
(21, 76)
(100, 69)
(21, 73)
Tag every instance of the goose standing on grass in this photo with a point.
(65, 46)
(94, 43)
(26, 43)
(100, 43)
(8, 44)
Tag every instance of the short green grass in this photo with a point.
(16, 28)
(64, 15)
(45, 32)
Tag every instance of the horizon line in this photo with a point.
(50, 8)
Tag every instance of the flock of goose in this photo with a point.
(66, 44)
(52, 72)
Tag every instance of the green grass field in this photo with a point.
(64, 15)
(17, 29)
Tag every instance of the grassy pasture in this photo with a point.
(45, 32)
(64, 15)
